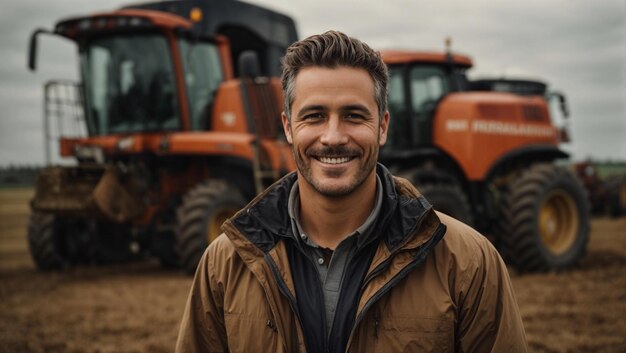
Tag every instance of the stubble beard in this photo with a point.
(304, 169)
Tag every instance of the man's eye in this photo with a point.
(354, 116)
(313, 117)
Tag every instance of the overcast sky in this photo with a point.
(577, 46)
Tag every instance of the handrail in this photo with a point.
(63, 114)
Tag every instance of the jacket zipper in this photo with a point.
(282, 287)
(419, 258)
(380, 268)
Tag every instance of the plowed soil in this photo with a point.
(136, 307)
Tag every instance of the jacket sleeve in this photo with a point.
(202, 327)
(489, 319)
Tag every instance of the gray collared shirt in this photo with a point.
(332, 268)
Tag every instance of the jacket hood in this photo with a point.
(265, 220)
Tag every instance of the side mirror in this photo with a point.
(249, 65)
(564, 106)
(32, 49)
(562, 102)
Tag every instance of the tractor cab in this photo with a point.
(417, 82)
(131, 83)
(131, 78)
(142, 72)
(154, 69)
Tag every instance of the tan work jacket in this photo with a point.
(457, 299)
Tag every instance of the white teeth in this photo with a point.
(334, 160)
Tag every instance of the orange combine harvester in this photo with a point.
(182, 124)
(175, 125)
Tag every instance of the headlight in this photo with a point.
(88, 152)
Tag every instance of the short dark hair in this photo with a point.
(333, 49)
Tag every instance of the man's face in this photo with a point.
(335, 130)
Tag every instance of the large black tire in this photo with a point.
(545, 220)
(199, 217)
(59, 243)
(449, 199)
(45, 243)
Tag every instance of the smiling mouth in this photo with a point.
(334, 160)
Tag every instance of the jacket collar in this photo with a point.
(265, 220)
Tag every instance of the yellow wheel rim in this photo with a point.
(558, 222)
(216, 221)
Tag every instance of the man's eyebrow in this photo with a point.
(310, 108)
(356, 108)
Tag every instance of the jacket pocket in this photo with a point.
(414, 334)
(247, 333)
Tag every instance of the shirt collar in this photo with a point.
(363, 232)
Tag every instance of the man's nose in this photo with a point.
(334, 133)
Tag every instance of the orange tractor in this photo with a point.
(174, 126)
(485, 152)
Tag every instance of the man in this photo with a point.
(342, 256)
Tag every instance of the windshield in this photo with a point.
(428, 84)
(398, 135)
(203, 75)
(129, 84)
(414, 92)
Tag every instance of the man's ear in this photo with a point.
(384, 126)
(286, 127)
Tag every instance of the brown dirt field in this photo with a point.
(136, 307)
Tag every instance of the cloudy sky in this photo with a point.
(577, 46)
